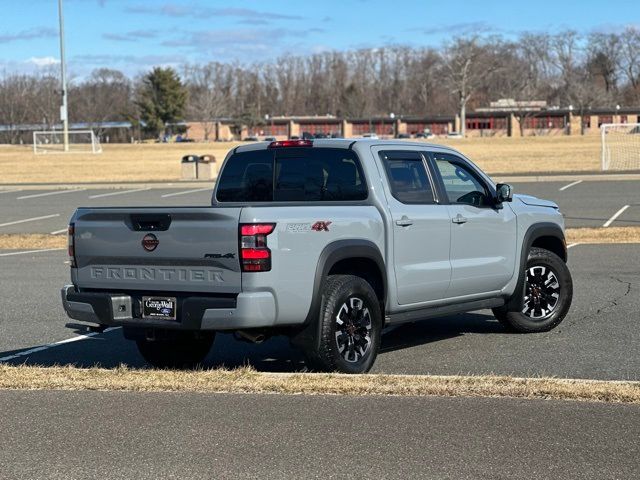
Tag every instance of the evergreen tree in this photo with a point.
(162, 99)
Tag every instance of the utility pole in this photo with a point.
(63, 109)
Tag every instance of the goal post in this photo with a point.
(80, 141)
(620, 146)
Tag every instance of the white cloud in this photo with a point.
(43, 61)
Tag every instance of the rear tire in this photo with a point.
(177, 350)
(350, 327)
(546, 296)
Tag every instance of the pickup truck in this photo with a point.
(326, 241)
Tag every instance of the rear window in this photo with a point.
(292, 175)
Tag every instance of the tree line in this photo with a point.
(567, 68)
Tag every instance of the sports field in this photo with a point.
(161, 162)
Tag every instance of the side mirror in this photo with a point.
(504, 192)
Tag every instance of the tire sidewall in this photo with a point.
(539, 257)
(353, 287)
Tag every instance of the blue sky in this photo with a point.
(133, 35)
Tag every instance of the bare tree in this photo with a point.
(105, 96)
(208, 95)
(17, 102)
(465, 72)
(629, 59)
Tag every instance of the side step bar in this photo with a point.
(439, 311)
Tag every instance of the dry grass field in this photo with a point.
(161, 162)
(246, 380)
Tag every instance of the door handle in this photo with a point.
(459, 219)
(404, 221)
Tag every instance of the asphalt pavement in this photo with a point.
(54, 434)
(584, 204)
(120, 435)
(599, 338)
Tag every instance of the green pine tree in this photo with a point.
(162, 99)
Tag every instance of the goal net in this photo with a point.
(620, 146)
(80, 141)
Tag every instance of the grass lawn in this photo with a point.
(161, 162)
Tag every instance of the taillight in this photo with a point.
(71, 244)
(291, 143)
(255, 256)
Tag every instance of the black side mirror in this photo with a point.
(504, 192)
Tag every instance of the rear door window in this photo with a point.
(408, 179)
(293, 175)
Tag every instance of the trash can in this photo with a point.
(206, 168)
(190, 167)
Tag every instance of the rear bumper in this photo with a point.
(247, 310)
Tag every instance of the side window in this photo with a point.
(407, 176)
(461, 182)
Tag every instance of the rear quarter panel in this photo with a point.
(296, 249)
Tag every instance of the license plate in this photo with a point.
(159, 308)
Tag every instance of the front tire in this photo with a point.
(177, 350)
(350, 327)
(546, 296)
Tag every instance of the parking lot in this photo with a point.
(584, 204)
(597, 340)
(507, 437)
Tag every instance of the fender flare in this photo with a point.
(330, 255)
(535, 231)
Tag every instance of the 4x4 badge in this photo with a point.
(321, 226)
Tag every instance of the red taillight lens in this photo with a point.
(291, 143)
(254, 254)
(71, 244)
(257, 229)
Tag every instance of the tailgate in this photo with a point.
(193, 249)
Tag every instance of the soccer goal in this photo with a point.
(620, 146)
(80, 141)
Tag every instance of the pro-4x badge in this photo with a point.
(321, 226)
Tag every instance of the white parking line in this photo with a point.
(34, 219)
(57, 192)
(120, 192)
(570, 185)
(30, 251)
(58, 232)
(175, 194)
(572, 245)
(615, 215)
(53, 345)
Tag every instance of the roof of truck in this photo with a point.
(345, 143)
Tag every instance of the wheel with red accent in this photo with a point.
(350, 327)
(546, 295)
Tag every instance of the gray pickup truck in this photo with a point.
(327, 242)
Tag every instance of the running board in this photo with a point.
(439, 311)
